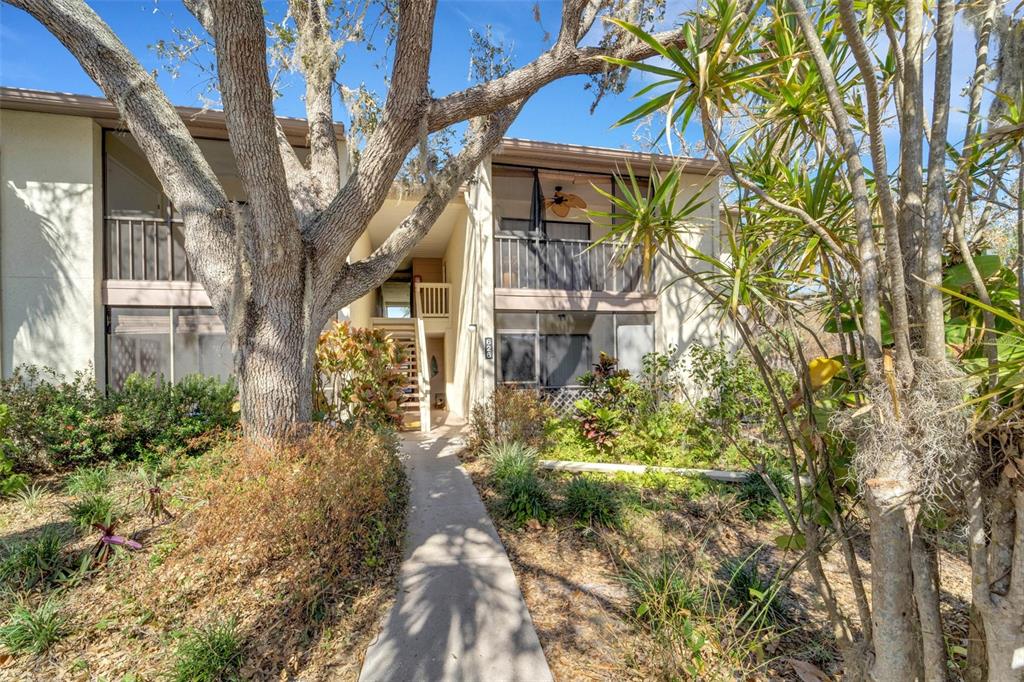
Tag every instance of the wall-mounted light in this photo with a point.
(472, 328)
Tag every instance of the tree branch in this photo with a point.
(484, 135)
(252, 128)
(176, 159)
(295, 172)
(558, 62)
(337, 227)
(318, 59)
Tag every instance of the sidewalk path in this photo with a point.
(458, 614)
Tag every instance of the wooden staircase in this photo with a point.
(403, 331)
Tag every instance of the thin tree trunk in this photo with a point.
(1020, 230)
(932, 309)
(926, 596)
(897, 635)
(886, 204)
(911, 139)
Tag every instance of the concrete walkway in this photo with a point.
(458, 614)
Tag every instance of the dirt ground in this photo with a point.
(124, 620)
(584, 614)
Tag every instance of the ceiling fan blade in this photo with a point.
(561, 210)
(574, 201)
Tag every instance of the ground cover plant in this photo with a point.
(659, 576)
(235, 561)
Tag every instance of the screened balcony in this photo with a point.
(544, 232)
(524, 261)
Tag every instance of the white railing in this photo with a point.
(146, 248)
(433, 299)
(423, 375)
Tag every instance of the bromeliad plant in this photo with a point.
(108, 541)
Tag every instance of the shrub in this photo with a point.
(510, 459)
(524, 497)
(514, 468)
(33, 629)
(212, 653)
(592, 503)
(318, 513)
(363, 370)
(59, 422)
(598, 424)
(511, 414)
(33, 561)
(10, 482)
(97, 508)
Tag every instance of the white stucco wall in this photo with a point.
(50, 252)
(470, 265)
(683, 316)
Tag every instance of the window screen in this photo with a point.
(566, 357)
(518, 358)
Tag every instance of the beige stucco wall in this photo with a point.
(360, 311)
(50, 253)
(683, 317)
(469, 261)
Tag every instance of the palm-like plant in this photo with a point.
(647, 216)
(711, 71)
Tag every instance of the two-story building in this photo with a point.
(507, 287)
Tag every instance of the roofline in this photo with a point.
(578, 157)
(211, 123)
(200, 122)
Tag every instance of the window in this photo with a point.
(554, 349)
(169, 342)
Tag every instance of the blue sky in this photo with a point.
(31, 58)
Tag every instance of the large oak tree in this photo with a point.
(278, 271)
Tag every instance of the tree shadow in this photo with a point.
(458, 613)
(49, 274)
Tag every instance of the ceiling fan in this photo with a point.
(561, 202)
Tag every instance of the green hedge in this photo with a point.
(60, 423)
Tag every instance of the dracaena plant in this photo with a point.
(824, 235)
(652, 214)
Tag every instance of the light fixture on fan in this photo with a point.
(561, 202)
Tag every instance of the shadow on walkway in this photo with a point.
(459, 614)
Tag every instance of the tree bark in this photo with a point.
(926, 596)
(911, 138)
(932, 309)
(897, 635)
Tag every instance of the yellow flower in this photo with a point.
(822, 370)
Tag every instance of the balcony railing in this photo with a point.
(145, 248)
(566, 264)
(432, 299)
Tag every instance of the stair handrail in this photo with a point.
(423, 374)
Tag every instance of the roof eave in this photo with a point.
(200, 122)
(560, 155)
